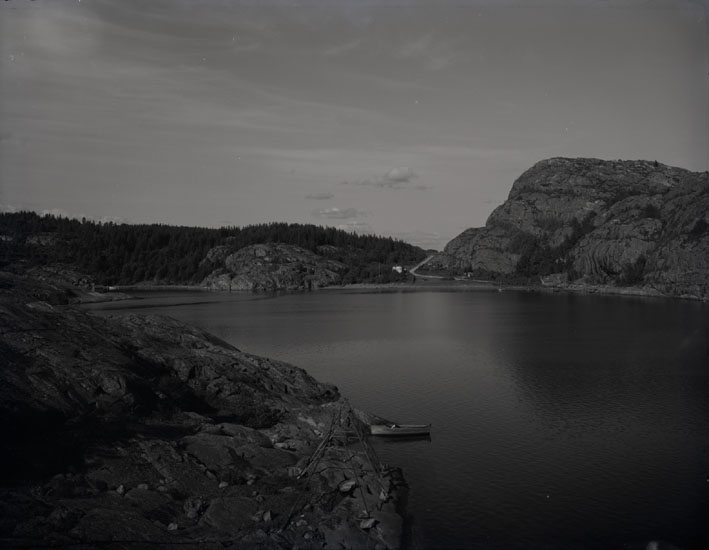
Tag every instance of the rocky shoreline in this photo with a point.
(465, 286)
(462, 285)
(137, 431)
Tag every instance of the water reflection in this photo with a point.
(616, 390)
(607, 360)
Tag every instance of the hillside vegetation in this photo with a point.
(126, 254)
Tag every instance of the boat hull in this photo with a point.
(400, 429)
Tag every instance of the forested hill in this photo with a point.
(124, 254)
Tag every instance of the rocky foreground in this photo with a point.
(586, 222)
(139, 431)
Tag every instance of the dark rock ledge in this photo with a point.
(142, 432)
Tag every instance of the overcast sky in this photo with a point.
(393, 117)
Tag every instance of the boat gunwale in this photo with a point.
(400, 429)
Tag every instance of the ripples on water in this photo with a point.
(557, 420)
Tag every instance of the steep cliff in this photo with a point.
(590, 221)
(269, 266)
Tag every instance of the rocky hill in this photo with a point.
(590, 221)
(269, 267)
(139, 431)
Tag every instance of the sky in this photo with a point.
(404, 118)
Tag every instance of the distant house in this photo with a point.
(398, 269)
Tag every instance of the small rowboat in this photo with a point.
(400, 429)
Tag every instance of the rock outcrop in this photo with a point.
(271, 266)
(130, 430)
(622, 223)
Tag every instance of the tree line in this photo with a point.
(123, 254)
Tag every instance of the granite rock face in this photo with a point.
(130, 430)
(610, 222)
(271, 266)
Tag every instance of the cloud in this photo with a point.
(10, 140)
(335, 213)
(8, 208)
(401, 175)
(241, 45)
(435, 53)
(396, 178)
(319, 196)
(340, 49)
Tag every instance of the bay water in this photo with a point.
(559, 421)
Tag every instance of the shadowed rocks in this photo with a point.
(139, 429)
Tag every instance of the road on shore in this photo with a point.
(412, 271)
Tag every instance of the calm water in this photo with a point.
(558, 420)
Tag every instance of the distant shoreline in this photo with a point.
(437, 284)
(123, 288)
(601, 290)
